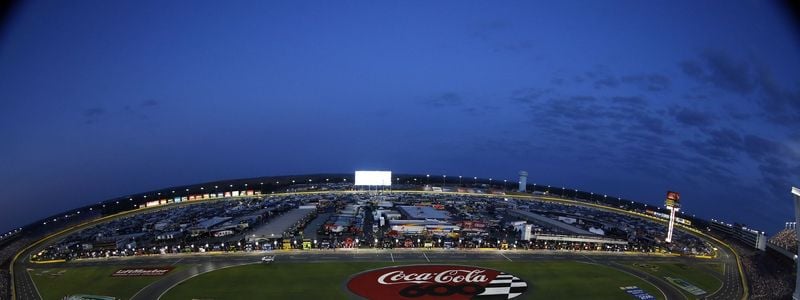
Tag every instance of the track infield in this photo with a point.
(546, 280)
(56, 283)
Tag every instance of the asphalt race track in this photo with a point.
(201, 263)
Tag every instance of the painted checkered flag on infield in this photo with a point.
(504, 286)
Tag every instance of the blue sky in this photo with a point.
(628, 98)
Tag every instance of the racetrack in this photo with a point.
(200, 263)
(196, 264)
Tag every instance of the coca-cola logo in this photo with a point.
(436, 282)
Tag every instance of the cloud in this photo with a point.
(747, 78)
(485, 30)
(633, 102)
(709, 151)
(653, 82)
(728, 74)
(693, 69)
(778, 163)
(92, 115)
(726, 138)
(779, 176)
(691, 117)
(520, 46)
(149, 103)
(718, 69)
(652, 124)
(528, 96)
(759, 148)
(448, 99)
(781, 105)
(722, 145)
(606, 82)
(511, 147)
(94, 112)
(600, 78)
(582, 98)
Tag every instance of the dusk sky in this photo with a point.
(106, 98)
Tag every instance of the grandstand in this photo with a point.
(786, 238)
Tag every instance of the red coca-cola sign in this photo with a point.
(425, 282)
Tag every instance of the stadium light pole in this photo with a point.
(796, 195)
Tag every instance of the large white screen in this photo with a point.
(373, 178)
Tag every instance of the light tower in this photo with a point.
(523, 181)
(674, 205)
(796, 195)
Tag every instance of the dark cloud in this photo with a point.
(653, 82)
(572, 108)
(725, 138)
(520, 46)
(494, 25)
(642, 158)
(558, 81)
(747, 78)
(485, 30)
(760, 148)
(696, 96)
(705, 171)
(781, 105)
(529, 96)
(691, 117)
(710, 151)
(92, 115)
(606, 82)
(692, 69)
(142, 110)
(94, 112)
(778, 164)
(448, 99)
(600, 77)
(722, 145)
(652, 124)
(582, 98)
(630, 101)
(511, 147)
(718, 69)
(584, 126)
(149, 103)
(778, 176)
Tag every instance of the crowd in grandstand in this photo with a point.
(770, 275)
(786, 239)
(7, 252)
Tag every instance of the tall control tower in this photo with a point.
(674, 205)
(523, 181)
(796, 195)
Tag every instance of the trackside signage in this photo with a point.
(160, 271)
(427, 282)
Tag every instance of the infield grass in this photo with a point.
(697, 274)
(55, 283)
(546, 280)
